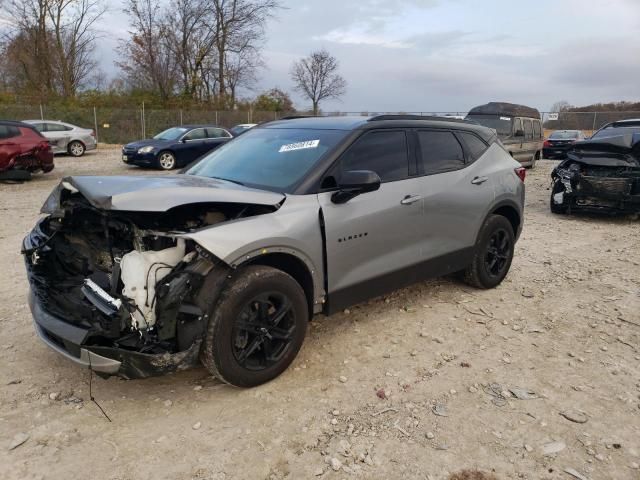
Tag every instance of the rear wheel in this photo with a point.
(76, 148)
(166, 161)
(256, 328)
(493, 253)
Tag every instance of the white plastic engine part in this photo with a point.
(140, 271)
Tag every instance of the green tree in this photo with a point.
(274, 100)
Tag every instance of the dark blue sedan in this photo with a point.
(175, 147)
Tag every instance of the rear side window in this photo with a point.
(440, 151)
(8, 131)
(537, 131)
(56, 127)
(217, 133)
(475, 146)
(528, 130)
(384, 152)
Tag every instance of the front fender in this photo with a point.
(293, 229)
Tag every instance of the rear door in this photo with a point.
(58, 135)
(374, 239)
(216, 137)
(456, 188)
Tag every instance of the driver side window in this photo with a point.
(197, 134)
(381, 151)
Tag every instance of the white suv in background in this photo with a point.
(66, 138)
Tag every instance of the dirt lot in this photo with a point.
(451, 361)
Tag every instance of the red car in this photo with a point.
(23, 151)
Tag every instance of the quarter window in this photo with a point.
(441, 151)
(475, 146)
(517, 125)
(384, 152)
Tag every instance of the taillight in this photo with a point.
(521, 172)
(547, 143)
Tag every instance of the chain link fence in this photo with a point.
(123, 125)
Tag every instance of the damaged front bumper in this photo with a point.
(69, 341)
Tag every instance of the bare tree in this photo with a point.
(317, 78)
(561, 106)
(240, 28)
(148, 61)
(51, 44)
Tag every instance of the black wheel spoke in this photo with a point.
(263, 331)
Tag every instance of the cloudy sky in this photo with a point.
(449, 55)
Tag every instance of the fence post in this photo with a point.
(593, 129)
(180, 116)
(216, 117)
(95, 123)
(41, 113)
(144, 133)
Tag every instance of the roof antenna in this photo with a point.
(90, 392)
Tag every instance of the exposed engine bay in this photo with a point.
(601, 175)
(130, 278)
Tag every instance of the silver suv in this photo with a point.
(228, 262)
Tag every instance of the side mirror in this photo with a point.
(354, 183)
(519, 133)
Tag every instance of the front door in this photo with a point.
(374, 239)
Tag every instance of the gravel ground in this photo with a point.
(431, 380)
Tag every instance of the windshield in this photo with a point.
(501, 124)
(615, 131)
(564, 135)
(171, 134)
(268, 158)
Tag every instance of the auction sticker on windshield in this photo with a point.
(299, 146)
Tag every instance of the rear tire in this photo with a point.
(493, 254)
(76, 148)
(256, 327)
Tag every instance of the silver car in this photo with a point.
(227, 263)
(66, 138)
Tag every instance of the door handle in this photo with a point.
(479, 180)
(410, 199)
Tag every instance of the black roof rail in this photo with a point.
(293, 117)
(380, 118)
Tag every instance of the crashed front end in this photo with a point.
(600, 175)
(124, 292)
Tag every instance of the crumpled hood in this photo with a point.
(614, 151)
(151, 193)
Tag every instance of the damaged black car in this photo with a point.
(601, 174)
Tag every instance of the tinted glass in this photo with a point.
(56, 127)
(528, 129)
(270, 158)
(8, 131)
(475, 146)
(501, 124)
(38, 126)
(614, 131)
(537, 131)
(217, 133)
(197, 134)
(441, 151)
(383, 152)
(564, 135)
(171, 134)
(517, 125)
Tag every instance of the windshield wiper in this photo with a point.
(230, 181)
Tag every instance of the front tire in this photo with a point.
(76, 148)
(166, 160)
(493, 254)
(256, 327)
